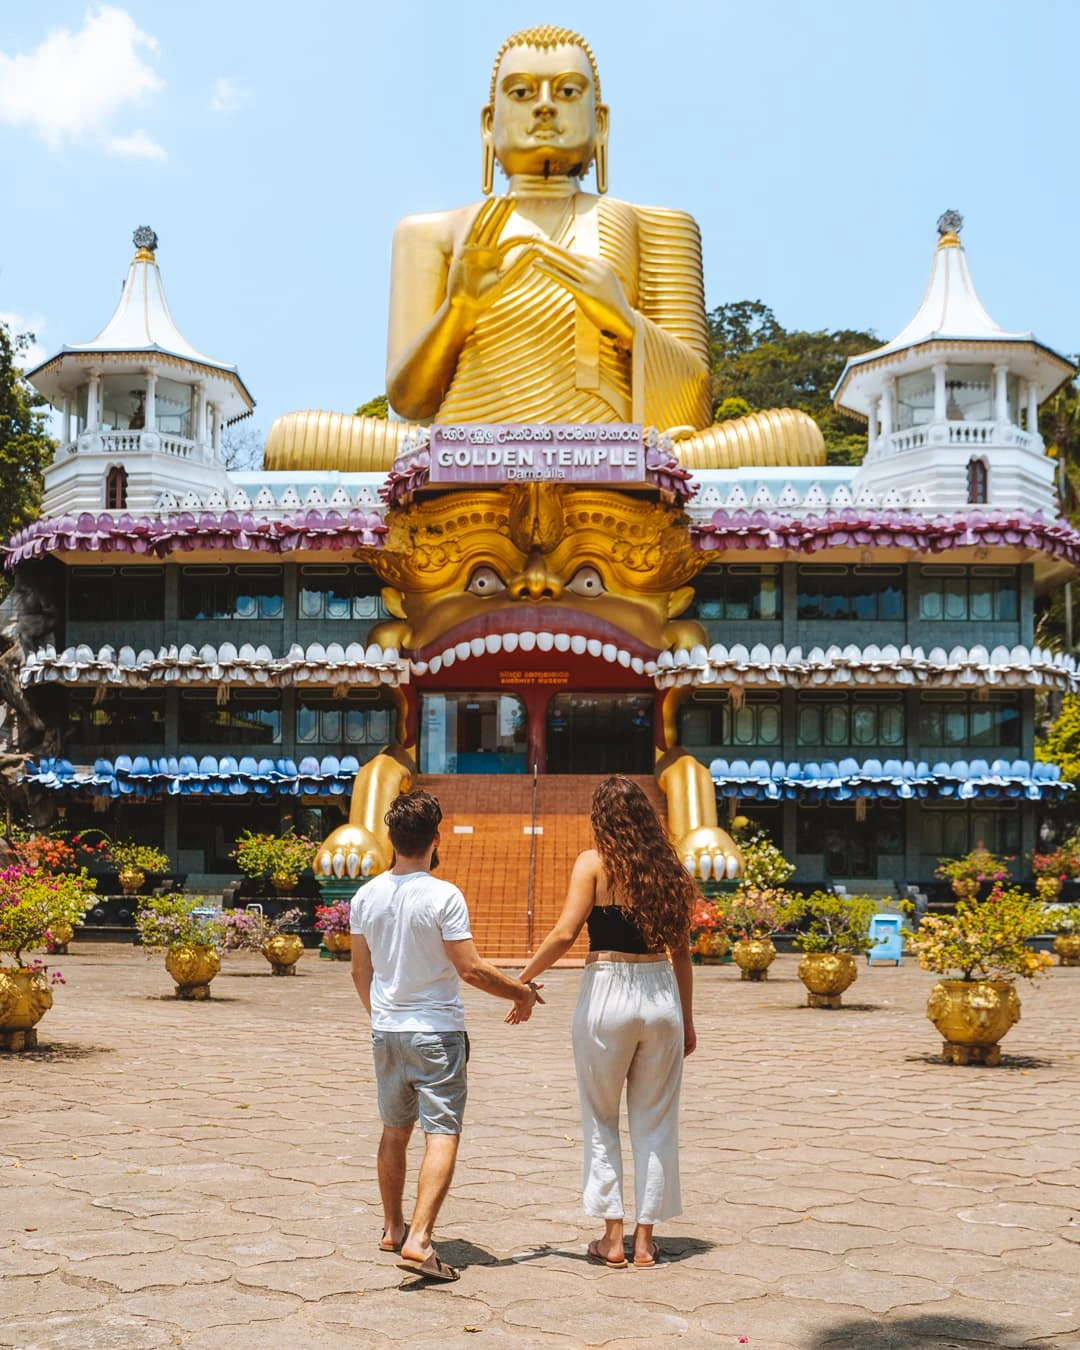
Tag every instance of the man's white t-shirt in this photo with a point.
(405, 920)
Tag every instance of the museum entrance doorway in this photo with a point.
(600, 733)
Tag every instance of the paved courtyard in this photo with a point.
(201, 1175)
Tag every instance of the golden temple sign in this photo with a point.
(611, 453)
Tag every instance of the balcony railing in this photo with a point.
(971, 434)
(123, 443)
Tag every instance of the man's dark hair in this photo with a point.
(413, 822)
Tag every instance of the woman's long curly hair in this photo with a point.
(641, 867)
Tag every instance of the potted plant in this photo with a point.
(764, 865)
(833, 929)
(752, 915)
(982, 949)
(708, 941)
(333, 922)
(1054, 868)
(134, 861)
(32, 904)
(250, 930)
(280, 858)
(967, 874)
(49, 852)
(190, 935)
(1064, 920)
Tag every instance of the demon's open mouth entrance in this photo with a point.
(600, 733)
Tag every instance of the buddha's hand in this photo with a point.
(593, 283)
(479, 269)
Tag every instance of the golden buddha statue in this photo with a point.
(547, 304)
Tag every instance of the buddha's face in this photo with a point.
(545, 118)
(600, 571)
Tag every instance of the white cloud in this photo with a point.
(75, 82)
(138, 144)
(228, 96)
(18, 323)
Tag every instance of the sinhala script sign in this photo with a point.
(564, 452)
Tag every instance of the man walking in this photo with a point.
(411, 943)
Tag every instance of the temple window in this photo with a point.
(864, 594)
(116, 489)
(339, 592)
(978, 477)
(915, 399)
(739, 591)
(247, 719)
(834, 720)
(710, 719)
(956, 720)
(119, 721)
(109, 594)
(969, 393)
(978, 594)
(954, 830)
(173, 408)
(245, 592)
(362, 719)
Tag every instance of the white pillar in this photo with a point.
(215, 425)
(940, 401)
(200, 413)
(65, 420)
(93, 402)
(150, 409)
(1001, 395)
(1033, 407)
(888, 398)
(872, 427)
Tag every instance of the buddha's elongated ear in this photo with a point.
(602, 123)
(487, 136)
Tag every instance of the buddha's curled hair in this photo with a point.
(640, 865)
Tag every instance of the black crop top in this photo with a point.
(612, 930)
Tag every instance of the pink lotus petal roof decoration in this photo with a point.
(186, 531)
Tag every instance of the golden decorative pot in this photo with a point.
(754, 956)
(972, 1016)
(25, 998)
(713, 947)
(192, 968)
(61, 934)
(283, 951)
(1067, 946)
(284, 882)
(131, 880)
(339, 945)
(826, 976)
(1048, 888)
(965, 888)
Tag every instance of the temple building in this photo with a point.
(864, 682)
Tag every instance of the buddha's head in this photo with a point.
(544, 115)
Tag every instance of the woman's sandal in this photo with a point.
(431, 1268)
(594, 1254)
(652, 1260)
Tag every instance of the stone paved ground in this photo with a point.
(200, 1175)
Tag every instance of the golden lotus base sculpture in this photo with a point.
(972, 1017)
(193, 968)
(754, 956)
(1067, 946)
(826, 976)
(25, 998)
(283, 951)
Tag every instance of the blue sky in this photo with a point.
(272, 146)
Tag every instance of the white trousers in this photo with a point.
(628, 1029)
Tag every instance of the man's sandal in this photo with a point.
(594, 1254)
(652, 1260)
(431, 1268)
(385, 1246)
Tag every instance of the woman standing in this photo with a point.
(634, 1019)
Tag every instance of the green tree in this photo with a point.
(26, 449)
(1061, 743)
(756, 360)
(374, 407)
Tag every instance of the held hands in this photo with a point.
(523, 1006)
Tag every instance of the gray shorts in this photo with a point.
(421, 1074)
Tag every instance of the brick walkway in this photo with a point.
(200, 1175)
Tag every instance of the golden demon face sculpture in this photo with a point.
(594, 569)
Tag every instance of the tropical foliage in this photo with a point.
(753, 912)
(25, 448)
(165, 922)
(984, 940)
(33, 901)
(1061, 742)
(831, 923)
(267, 855)
(979, 865)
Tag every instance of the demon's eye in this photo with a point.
(485, 581)
(586, 581)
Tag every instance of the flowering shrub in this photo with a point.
(978, 865)
(91, 852)
(833, 923)
(1062, 863)
(119, 853)
(331, 920)
(984, 940)
(32, 901)
(1062, 918)
(706, 925)
(754, 912)
(46, 851)
(764, 866)
(248, 930)
(165, 922)
(264, 855)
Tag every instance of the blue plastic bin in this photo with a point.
(886, 930)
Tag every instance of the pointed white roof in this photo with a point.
(951, 312)
(142, 326)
